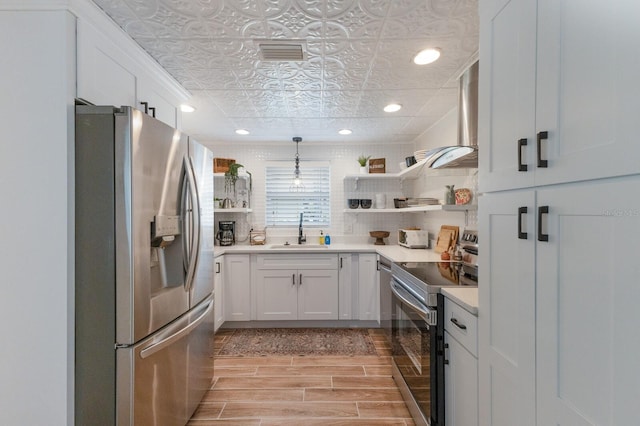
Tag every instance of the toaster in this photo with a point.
(413, 238)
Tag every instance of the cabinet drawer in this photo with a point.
(462, 325)
(297, 261)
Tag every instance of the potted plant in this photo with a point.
(230, 178)
(363, 164)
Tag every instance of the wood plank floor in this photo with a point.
(303, 390)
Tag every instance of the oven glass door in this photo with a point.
(413, 351)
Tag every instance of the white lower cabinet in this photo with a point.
(296, 287)
(218, 286)
(347, 285)
(558, 295)
(461, 370)
(237, 287)
(368, 293)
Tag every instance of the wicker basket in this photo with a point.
(257, 238)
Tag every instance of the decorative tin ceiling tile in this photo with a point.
(358, 58)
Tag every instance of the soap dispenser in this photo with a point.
(321, 239)
(327, 240)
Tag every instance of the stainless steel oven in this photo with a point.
(417, 335)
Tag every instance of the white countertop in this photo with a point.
(467, 297)
(395, 253)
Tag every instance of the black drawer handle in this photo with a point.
(542, 210)
(217, 267)
(457, 324)
(542, 136)
(521, 143)
(153, 111)
(521, 235)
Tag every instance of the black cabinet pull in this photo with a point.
(457, 324)
(341, 263)
(293, 279)
(377, 265)
(146, 107)
(521, 167)
(300, 282)
(542, 136)
(542, 210)
(217, 267)
(521, 235)
(153, 111)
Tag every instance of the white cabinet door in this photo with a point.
(587, 304)
(218, 289)
(106, 75)
(347, 285)
(587, 89)
(506, 295)
(461, 385)
(507, 94)
(368, 293)
(318, 294)
(237, 287)
(276, 294)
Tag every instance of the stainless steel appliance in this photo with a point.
(144, 270)
(226, 232)
(417, 335)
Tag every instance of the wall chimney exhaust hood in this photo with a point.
(465, 154)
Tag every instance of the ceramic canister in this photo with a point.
(381, 201)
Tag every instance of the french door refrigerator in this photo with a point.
(143, 270)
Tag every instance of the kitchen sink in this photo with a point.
(298, 246)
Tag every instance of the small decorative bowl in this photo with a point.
(353, 203)
(379, 235)
(365, 203)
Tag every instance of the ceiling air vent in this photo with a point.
(282, 50)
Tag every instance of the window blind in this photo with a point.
(283, 207)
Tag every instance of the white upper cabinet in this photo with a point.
(507, 94)
(113, 70)
(556, 111)
(587, 91)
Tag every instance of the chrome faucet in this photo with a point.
(301, 238)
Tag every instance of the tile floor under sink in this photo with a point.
(309, 390)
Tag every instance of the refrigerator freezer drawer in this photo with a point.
(161, 380)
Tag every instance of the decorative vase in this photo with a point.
(363, 170)
(449, 195)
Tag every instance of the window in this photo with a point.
(283, 207)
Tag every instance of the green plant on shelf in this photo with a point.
(363, 160)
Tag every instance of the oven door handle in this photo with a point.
(402, 294)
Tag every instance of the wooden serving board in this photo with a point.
(447, 238)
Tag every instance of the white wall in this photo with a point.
(36, 252)
(343, 160)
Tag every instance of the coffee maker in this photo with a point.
(226, 232)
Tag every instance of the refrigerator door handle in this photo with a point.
(167, 341)
(193, 244)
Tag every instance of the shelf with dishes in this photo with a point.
(409, 173)
(418, 209)
(233, 210)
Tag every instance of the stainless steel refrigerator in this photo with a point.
(143, 270)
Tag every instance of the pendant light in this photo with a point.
(296, 184)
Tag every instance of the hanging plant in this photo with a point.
(231, 177)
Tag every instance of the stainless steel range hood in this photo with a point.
(465, 154)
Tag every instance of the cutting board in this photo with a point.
(447, 238)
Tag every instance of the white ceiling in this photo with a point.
(359, 59)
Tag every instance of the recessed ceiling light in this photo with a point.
(187, 108)
(426, 56)
(392, 108)
(242, 132)
(345, 131)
